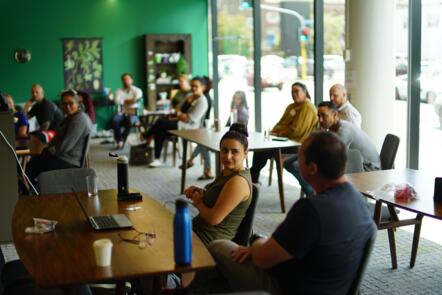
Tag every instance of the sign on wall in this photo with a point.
(83, 64)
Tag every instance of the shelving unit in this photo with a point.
(165, 56)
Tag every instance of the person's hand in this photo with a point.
(191, 190)
(197, 197)
(241, 254)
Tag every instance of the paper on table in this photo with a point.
(399, 191)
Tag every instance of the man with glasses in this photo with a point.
(66, 148)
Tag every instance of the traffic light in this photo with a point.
(304, 35)
(246, 4)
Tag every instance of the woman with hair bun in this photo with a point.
(223, 203)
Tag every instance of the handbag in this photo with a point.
(141, 154)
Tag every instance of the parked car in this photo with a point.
(429, 83)
(272, 72)
(332, 64)
(232, 65)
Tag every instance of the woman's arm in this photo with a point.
(22, 131)
(234, 192)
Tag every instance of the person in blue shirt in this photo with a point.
(21, 124)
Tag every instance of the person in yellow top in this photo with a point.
(299, 119)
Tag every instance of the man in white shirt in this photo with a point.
(126, 99)
(338, 95)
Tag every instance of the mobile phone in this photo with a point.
(438, 189)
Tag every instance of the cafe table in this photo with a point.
(369, 184)
(65, 257)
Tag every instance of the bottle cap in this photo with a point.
(180, 203)
(122, 159)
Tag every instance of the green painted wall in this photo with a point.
(40, 25)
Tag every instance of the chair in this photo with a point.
(245, 229)
(354, 288)
(388, 151)
(85, 151)
(64, 180)
(387, 157)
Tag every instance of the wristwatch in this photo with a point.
(255, 237)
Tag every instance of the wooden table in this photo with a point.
(65, 257)
(424, 205)
(257, 142)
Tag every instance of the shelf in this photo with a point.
(165, 47)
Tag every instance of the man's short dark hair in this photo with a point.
(126, 74)
(330, 105)
(328, 152)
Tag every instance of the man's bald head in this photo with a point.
(338, 94)
(37, 92)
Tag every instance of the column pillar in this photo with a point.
(370, 66)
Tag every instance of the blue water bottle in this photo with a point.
(182, 234)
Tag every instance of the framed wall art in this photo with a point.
(83, 64)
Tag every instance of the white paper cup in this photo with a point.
(103, 252)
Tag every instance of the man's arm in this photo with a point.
(268, 253)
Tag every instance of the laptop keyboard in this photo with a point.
(105, 222)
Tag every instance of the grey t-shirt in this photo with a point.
(356, 138)
(69, 141)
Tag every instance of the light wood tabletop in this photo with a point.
(422, 182)
(210, 139)
(423, 205)
(65, 257)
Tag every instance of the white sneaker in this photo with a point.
(156, 163)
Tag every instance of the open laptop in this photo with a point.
(105, 221)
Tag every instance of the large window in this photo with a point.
(235, 55)
(286, 54)
(430, 130)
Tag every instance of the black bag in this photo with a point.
(140, 154)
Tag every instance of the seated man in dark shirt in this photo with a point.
(317, 249)
(48, 115)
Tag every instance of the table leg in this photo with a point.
(278, 160)
(217, 164)
(183, 171)
(416, 235)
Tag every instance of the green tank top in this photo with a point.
(228, 227)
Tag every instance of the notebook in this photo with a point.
(105, 221)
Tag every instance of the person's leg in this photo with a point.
(161, 132)
(127, 125)
(207, 161)
(292, 166)
(241, 276)
(39, 164)
(258, 162)
(116, 126)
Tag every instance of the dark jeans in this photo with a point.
(39, 164)
(292, 166)
(121, 124)
(160, 131)
(260, 160)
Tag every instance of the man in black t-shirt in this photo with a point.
(48, 115)
(317, 249)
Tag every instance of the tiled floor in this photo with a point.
(163, 183)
